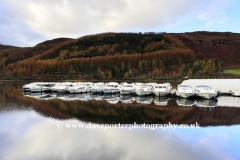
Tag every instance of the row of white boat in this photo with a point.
(126, 99)
(140, 89)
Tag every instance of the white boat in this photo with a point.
(54, 88)
(60, 85)
(98, 87)
(162, 90)
(110, 88)
(63, 87)
(127, 89)
(237, 93)
(84, 88)
(42, 87)
(204, 91)
(138, 85)
(184, 91)
(26, 87)
(146, 89)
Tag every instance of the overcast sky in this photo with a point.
(28, 22)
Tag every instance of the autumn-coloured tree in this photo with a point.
(154, 72)
(149, 75)
(181, 72)
(140, 66)
(15, 71)
(126, 75)
(175, 75)
(122, 65)
(189, 74)
(160, 64)
(71, 70)
(98, 72)
(102, 75)
(110, 75)
(21, 72)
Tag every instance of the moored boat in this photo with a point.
(204, 91)
(98, 87)
(26, 87)
(127, 89)
(162, 89)
(111, 88)
(146, 89)
(184, 91)
(64, 87)
(42, 87)
(84, 88)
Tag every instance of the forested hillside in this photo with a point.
(112, 56)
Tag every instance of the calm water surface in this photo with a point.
(33, 126)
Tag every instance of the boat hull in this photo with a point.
(143, 93)
(110, 91)
(73, 91)
(26, 90)
(126, 92)
(185, 95)
(62, 90)
(206, 95)
(39, 90)
(161, 94)
(95, 91)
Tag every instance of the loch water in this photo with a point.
(78, 126)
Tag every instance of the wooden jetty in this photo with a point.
(173, 92)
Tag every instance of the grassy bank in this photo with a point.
(233, 71)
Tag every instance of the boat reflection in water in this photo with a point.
(228, 101)
(127, 99)
(161, 101)
(206, 104)
(222, 101)
(81, 97)
(185, 104)
(40, 96)
(111, 98)
(144, 100)
(61, 96)
(97, 97)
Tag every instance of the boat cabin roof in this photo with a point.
(184, 86)
(112, 83)
(203, 86)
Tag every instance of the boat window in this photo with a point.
(163, 87)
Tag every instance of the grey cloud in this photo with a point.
(48, 19)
